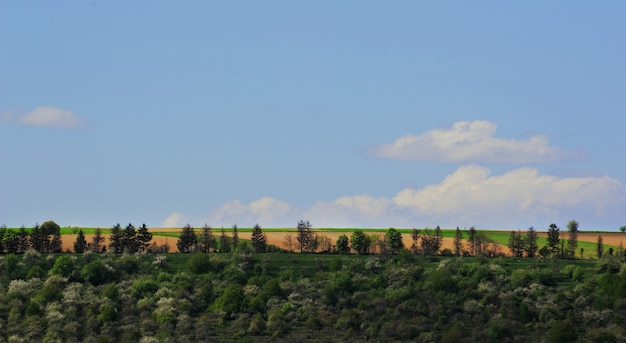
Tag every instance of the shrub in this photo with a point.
(199, 263)
(97, 273)
(144, 287)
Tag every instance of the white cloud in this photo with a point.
(175, 220)
(48, 117)
(473, 142)
(472, 195)
(469, 196)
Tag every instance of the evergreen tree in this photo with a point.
(187, 239)
(11, 241)
(206, 239)
(97, 240)
(258, 239)
(80, 244)
(553, 239)
(458, 242)
(37, 239)
(517, 244)
(23, 241)
(144, 237)
(531, 246)
(225, 241)
(428, 240)
(471, 241)
(56, 244)
(572, 241)
(115, 239)
(235, 235)
(600, 247)
(438, 240)
(130, 243)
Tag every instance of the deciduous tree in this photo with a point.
(289, 242)
(305, 235)
(342, 244)
(415, 236)
(357, 242)
(394, 240)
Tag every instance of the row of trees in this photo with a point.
(42, 238)
(205, 242)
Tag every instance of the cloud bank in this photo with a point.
(473, 142)
(471, 195)
(47, 117)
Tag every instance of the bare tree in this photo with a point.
(289, 242)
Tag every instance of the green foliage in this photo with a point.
(394, 240)
(342, 244)
(258, 239)
(80, 244)
(63, 266)
(311, 297)
(562, 331)
(97, 273)
(554, 239)
(199, 263)
(142, 288)
(231, 301)
(358, 242)
(187, 240)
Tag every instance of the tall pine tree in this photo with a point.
(258, 239)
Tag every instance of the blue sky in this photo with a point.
(348, 114)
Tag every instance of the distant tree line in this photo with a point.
(43, 238)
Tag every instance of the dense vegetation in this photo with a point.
(228, 289)
(323, 297)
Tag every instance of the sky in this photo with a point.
(498, 115)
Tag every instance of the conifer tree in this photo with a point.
(187, 239)
(458, 242)
(144, 237)
(115, 239)
(80, 244)
(258, 239)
